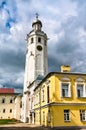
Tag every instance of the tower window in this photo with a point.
(45, 42)
(39, 39)
(32, 40)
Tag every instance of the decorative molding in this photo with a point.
(79, 79)
(65, 79)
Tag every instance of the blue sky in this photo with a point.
(64, 21)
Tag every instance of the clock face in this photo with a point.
(39, 48)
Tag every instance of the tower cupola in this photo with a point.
(37, 24)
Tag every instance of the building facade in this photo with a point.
(9, 104)
(60, 99)
(35, 68)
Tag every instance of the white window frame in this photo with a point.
(66, 115)
(83, 115)
(69, 89)
(78, 83)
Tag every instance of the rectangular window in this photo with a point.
(10, 110)
(32, 103)
(66, 115)
(3, 110)
(65, 90)
(11, 101)
(42, 95)
(39, 97)
(39, 39)
(3, 100)
(83, 115)
(32, 40)
(80, 91)
(48, 94)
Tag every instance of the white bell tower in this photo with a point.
(36, 57)
(36, 62)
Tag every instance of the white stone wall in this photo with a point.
(10, 110)
(7, 108)
(18, 107)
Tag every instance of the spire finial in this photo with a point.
(37, 15)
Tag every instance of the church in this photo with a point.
(54, 99)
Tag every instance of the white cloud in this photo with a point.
(82, 35)
(1, 85)
(63, 21)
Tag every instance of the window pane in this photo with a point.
(83, 115)
(79, 90)
(65, 89)
(66, 115)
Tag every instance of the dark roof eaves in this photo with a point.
(62, 73)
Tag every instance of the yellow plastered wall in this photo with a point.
(57, 114)
(73, 97)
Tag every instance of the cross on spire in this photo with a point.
(37, 15)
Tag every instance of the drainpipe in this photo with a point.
(40, 105)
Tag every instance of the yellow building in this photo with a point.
(60, 99)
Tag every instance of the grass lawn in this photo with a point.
(7, 121)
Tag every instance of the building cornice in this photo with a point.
(59, 73)
(60, 104)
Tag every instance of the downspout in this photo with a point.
(40, 106)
